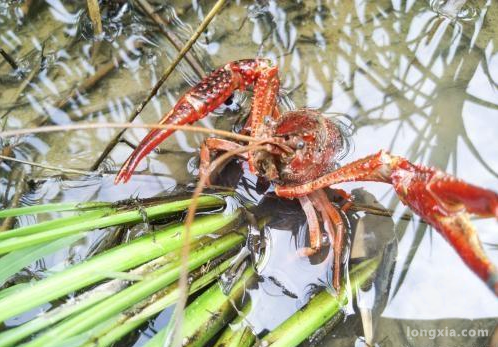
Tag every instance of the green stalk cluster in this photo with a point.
(99, 217)
(101, 316)
(206, 315)
(98, 268)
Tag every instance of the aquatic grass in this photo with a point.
(101, 218)
(318, 311)
(13, 262)
(237, 333)
(54, 224)
(206, 315)
(80, 302)
(120, 258)
(117, 327)
(85, 299)
(52, 207)
(12, 289)
(133, 294)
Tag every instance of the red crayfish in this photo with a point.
(298, 153)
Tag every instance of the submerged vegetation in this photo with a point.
(122, 301)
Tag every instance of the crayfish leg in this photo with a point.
(213, 145)
(334, 226)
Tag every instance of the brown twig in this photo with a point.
(46, 166)
(26, 7)
(185, 251)
(379, 211)
(9, 59)
(175, 41)
(91, 81)
(9, 221)
(89, 126)
(94, 14)
(216, 8)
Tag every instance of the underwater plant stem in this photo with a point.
(127, 322)
(238, 333)
(133, 294)
(18, 177)
(206, 315)
(97, 268)
(317, 312)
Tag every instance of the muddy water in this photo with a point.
(419, 79)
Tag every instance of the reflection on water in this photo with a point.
(419, 78)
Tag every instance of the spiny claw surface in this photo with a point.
(203, 98)
(446, 202)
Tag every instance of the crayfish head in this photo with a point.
(316, 142)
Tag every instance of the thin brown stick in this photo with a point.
(26, 7)
(91, 81)
(175, 41)
(89, 126)
(21, 89)
(216, 8)
(9, 59)
(19, 178)
(183, 280)
(94, 14)
(379, 211)
(46, 166)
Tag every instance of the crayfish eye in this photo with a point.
(300, 145)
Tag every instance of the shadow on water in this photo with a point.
(417, 78)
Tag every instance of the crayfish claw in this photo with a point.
(446, 203)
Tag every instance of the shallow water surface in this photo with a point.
(417, 78)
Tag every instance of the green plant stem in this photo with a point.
(40, 233)
(206, 315)
(127, 322)
(79, 303)
(317, 312)
(126, 298)
(237, 333)
(55, 224)
(13, 262)
(55, 207)
(120, 258)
